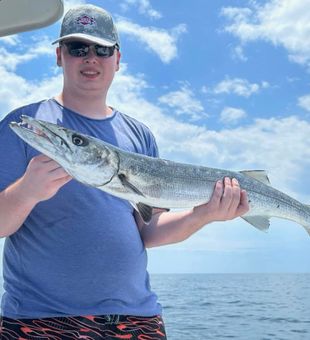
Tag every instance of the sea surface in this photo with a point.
(234, 306)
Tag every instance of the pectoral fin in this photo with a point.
(144, 210)
(260, 222)
(128, 185)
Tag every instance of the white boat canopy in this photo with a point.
(25, 15)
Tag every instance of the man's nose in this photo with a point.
(91, 56)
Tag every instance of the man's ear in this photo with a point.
(118, 60)
(58, 56)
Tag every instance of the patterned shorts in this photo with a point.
(84, 327)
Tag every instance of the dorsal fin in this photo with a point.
(259, 175)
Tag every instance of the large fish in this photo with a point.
(151, 182)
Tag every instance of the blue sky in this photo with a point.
(220, 83)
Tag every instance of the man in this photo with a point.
(74, 257)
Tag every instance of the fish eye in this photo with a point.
(79, 140)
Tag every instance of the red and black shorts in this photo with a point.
(84, 327)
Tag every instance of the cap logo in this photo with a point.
(85, 20)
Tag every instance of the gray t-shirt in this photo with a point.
(80, 252)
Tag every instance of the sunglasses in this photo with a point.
(81, 49)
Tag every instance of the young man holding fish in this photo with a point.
(74, 257)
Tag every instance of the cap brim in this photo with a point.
(87, 38)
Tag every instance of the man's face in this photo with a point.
(89, 72)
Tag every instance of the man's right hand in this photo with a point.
(42, 179)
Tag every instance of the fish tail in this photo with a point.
(306, 225)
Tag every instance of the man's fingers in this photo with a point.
(227, 202)
(227, 194)
(42, 158)
(47, 165)
(45, 162)
(244, 203)
(63, 180)
(217, 194)
(234, 200)
(57, 173)
(236, 194)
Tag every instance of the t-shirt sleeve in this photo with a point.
(153, 148)
(13, 160)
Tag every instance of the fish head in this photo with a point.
(85, 158)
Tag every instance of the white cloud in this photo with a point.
(304, 102)
(232, 115)
(265, 85)
(184, 102)
(281, 22)
(14, 89)
(11, 40)
(144, 7)
(18, 91)
(238, 86)
(11, 60)
(160, 41)
(68, 4)
(41, 46)
(238, 53)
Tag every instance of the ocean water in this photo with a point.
(235, 306)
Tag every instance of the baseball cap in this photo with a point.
(90, 23)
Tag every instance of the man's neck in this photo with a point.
(91, 107)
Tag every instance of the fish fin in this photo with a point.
(128, 185)
(145, 211)
(260, 222)
(307, 226)
(259, 175)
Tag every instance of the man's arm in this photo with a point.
(42, 179)
(227, 202)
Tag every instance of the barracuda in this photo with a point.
(151, 182)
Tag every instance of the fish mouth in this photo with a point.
(36, 131)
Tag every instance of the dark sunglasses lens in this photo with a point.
(81, 49)
(104, 51)
(77, 49)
